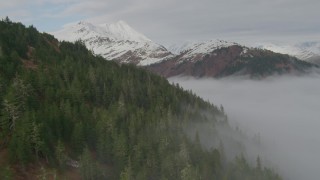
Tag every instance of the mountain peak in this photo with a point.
(116, 41)
(83, 23)
(119, 31)
(123, 31)
(122, 24)
(79, 25)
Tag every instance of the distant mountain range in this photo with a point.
(212, 58)
(230, 60)
(308, 51)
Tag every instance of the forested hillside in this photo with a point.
(67, 114)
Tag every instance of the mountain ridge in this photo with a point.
(118, 31)
(121, 43)
(231, 60)
(212, 44)
(307, 51)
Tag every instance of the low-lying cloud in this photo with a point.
(283, 111)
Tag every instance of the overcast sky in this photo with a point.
(169, 21)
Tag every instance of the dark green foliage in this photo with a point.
(89, 167)
(59, 102)
(6, 173)
(240, 169)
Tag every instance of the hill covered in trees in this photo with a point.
(67, 114)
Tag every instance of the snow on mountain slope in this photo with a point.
(312, 46)
(194, 51)
(199, 47)
(116, 41)
(207, 47)
(227, 60)
(308, 51)
(180, 47)
(122, 31)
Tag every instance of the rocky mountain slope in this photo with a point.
(229, 59)
(118, 42)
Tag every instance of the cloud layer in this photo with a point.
(284, 111)
(170, 21)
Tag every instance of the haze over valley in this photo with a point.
(283, 111)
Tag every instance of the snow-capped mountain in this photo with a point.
(213, 58)
(116, 41)
(220, 58)
(177, 48)
(194, 51)
(199, 47)
(308, 51)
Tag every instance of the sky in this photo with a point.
(176, 21)
(283, 110)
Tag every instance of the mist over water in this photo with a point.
(284, 111)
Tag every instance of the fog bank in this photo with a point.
(285, 111)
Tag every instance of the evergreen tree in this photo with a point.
(118, 121)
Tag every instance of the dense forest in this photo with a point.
(68, 114)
